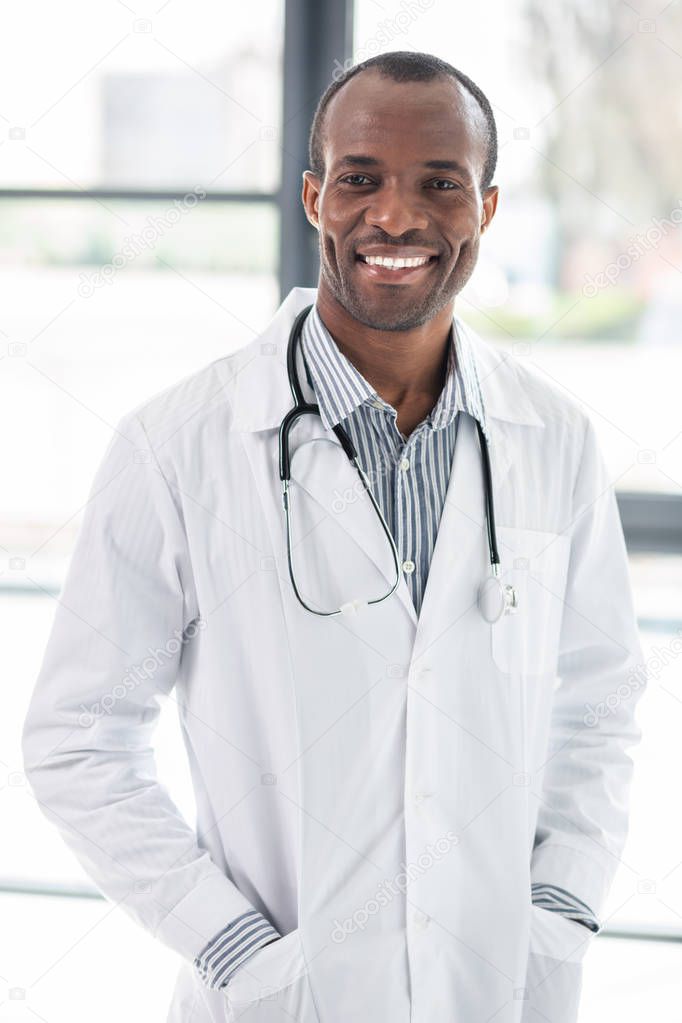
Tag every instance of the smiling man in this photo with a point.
(406, 812)
(400, 191)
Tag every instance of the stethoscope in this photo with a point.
(495, 598)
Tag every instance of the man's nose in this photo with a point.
(395, 212)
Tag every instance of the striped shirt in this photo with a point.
(409, 476)
(409, 479)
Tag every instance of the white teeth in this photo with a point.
(395, 264)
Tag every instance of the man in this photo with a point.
(404, 811)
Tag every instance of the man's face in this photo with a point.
(379, 197)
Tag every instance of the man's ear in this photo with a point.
(490, 197)
(310, 197)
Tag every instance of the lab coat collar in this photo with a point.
(261, 395)
(350, 390)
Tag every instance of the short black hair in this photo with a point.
(404, 66)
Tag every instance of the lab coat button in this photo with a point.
(420, 920)
(420, 798)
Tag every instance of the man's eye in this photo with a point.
(349, 176)
(444, 181)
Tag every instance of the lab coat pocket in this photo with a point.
(555, 935)
(552, 990)
(272, 985)
(554, 972)
(185, 995)
(535, 562)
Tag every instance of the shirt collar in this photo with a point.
(340, 388)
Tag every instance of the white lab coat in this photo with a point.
(383, 789)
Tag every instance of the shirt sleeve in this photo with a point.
(558, 900)
(127, 609)
(232, 946)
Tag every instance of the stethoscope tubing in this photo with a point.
(505, 595)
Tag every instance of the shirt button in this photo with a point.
(377, 404)
(404, 463)
(408, 567)
(420, 920)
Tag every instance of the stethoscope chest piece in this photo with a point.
(496, 599)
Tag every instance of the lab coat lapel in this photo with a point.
(320, 467)
(261, 397)
(460, 557)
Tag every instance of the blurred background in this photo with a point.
(150, 221)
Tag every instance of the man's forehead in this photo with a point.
(371, 95)
(372, 110)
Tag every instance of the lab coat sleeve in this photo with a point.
(582, 820)
(127, 608)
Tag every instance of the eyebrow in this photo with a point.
(356, 160)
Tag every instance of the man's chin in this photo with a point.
(391, 309)
(386, 317)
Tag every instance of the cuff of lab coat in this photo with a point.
(573, 869)
(201, 914)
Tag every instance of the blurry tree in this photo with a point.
(613, 121)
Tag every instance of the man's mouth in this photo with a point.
(396, 268)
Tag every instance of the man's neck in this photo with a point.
(407, 368)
